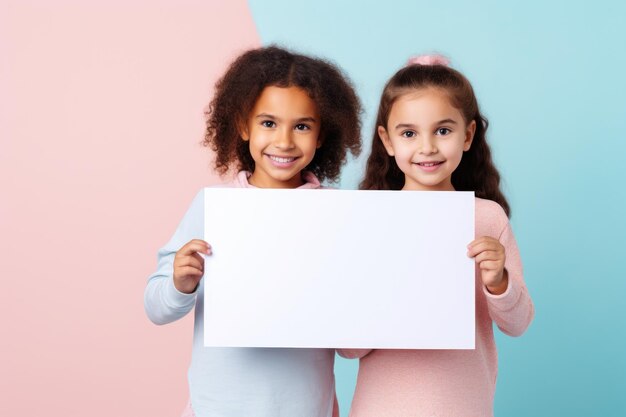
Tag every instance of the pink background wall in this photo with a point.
(100, 124)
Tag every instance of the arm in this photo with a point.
(163, 302)
(513, 309)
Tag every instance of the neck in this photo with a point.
(414, 186)
(259, 182)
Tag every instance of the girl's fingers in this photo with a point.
(200, 242)
(199, 258)
(193, 246)
(484, 245)
(199, 246)
(490, 265)
(480, 240)
(190, 261)
(489, 255)
(189, 271)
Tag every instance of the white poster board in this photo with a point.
(339, 269)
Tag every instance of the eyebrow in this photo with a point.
(447, 121)
(307, 119)
(404, 126)
(271, 116)
(412, 126)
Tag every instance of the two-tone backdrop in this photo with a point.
(100, 122)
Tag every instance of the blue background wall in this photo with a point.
(550, 78)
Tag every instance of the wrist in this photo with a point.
(500, 288)
(177, 298)
(184, 286)
(185, 289)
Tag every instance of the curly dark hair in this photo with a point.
(238, 90)
(476, 171)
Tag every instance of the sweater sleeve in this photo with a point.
(513, 310)
(162, 301)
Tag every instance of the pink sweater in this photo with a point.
(408, 383)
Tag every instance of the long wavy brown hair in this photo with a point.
(240, 87)
(476, 171)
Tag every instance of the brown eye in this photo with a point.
(443, 131)
(268, 123)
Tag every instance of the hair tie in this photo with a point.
(428, 60)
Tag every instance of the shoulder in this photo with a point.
(488, 208)
(196, 208)
(490, 218)
(240, 180)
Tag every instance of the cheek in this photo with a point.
(453, 149)
(403, 153)
(259, 138)
(310, 144)
(256, 144)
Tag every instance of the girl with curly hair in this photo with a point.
(282, 120)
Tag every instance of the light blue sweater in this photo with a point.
(239, 381)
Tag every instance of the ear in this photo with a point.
(384, 137)
(469, 136)
(320, 141)
(243, 131)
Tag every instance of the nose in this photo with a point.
(428, 145)
(284, 139)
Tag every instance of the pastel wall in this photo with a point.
(100, 123)
(550, 78)
(100, 126)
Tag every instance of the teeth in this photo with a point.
(281, 160)
(429, 164)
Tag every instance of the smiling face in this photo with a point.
(283, 130)
(427, 137)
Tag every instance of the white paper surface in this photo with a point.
(339, 269)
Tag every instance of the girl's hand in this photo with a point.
(489, 255)
(189, 265)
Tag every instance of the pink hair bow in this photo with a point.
(428, 60)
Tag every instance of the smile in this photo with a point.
(282, 159)
(282, 162)
(429, 166)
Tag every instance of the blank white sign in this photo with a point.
(339, 269)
